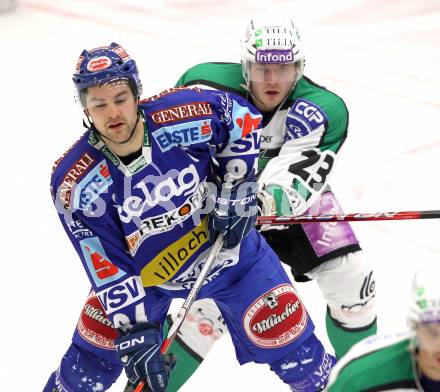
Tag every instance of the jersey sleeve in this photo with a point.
(376, 363)
(199, 72)
(238, 152)
(313, 136)
(182, 80)
(101, 247)
(199, 120)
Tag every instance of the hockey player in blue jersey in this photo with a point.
(141, 197)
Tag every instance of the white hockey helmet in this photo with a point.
(271, 41)
(425, 298)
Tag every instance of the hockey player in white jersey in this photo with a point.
(304, 126)
(403, 362)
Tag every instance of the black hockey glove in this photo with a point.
(235, 211)
(139, 351)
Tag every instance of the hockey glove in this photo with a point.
(279, 200)
(235, 211)
(140, 354)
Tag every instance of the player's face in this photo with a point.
(429, 350)
(113, 109)
(271, 83)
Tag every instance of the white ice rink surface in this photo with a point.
(382, 57)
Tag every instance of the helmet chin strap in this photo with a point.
(132, 131)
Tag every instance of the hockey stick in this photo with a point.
(375, 216)
(188, 302)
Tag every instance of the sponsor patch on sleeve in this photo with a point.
(303, 118)
(76, 171)
(183, 134)
(94, 326)
(244, 121)
(78, 229)
(91, 186)
(102, 270)
(182, 112)
(122, 294)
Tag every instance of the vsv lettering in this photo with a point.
(121, 295)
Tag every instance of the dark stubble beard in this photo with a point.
(129, 136)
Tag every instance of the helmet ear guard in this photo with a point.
(275, 41)
(425, 298)
(105, 65)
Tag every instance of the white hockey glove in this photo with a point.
(280, 201)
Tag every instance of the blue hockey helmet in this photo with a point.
(105, 64)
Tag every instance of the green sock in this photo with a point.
(187, 362)
(342, 339)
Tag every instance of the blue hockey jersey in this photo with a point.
(144, 224)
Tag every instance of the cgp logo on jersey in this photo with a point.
(94, 326)
(101, 269)
(89, 189)
(276, 318)
(303, 118)
(183, 134)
